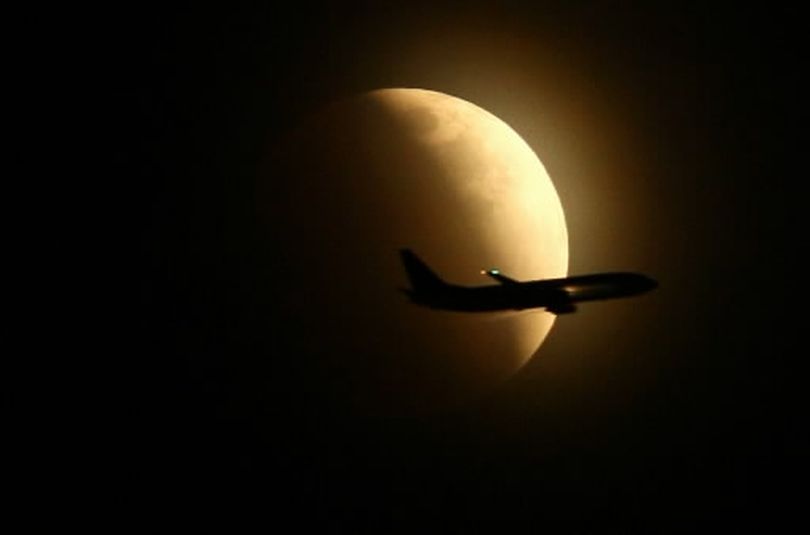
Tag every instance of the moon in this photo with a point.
(377, 172)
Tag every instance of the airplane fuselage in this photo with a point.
(558, 296)
(555, 294)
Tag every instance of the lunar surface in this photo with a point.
(389, 169)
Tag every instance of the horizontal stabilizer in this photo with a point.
(496, 274)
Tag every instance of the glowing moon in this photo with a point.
(407, 168)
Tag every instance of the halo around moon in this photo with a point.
(409, 168)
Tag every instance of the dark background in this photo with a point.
(673, 136)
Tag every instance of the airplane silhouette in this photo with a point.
(558, 296)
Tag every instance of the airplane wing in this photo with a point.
(496, 274)
(562, 308)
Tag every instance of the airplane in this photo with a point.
(558, 296)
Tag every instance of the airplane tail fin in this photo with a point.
(421, 277)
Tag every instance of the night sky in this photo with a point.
(673, 138)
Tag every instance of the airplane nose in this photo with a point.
(641, 283)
